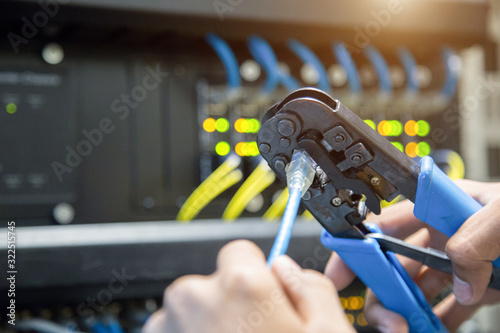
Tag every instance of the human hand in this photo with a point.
(471, 251)
(244, 296)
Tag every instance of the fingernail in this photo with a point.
(462, 291)
(285, 263)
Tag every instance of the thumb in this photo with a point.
(313, 296)
(471, 250)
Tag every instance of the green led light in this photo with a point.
(11, 108)
(371, 123)
(253, 150)
(423, 149)
(222, 125)
(396, 128)
(253, 125)
(399, 145)
(222, 148)
(423, 128)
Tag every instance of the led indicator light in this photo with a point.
(209, 125)
(399, 145)
(361, 320)
(241, 125)
(222, 148)
(411, 127)
(381, 127)
(11, 108)
(423, 149)
(371, 123)
(253, 125)
(355, 303)
(396, 128)
(247, 149)
(423, 128)
(411, 149)
(222, 125)
(350, 318)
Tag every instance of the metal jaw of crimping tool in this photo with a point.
(356, 168)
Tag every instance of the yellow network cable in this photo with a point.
(206, 189)
(211, 192)
(277, 208)
(457, 167)
(260, 179)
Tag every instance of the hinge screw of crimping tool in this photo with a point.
(375, 181)
(286, 127)
(336, 201)
(264, 148)
(340, 138)
(357, 159)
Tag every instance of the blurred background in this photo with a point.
(128, 128)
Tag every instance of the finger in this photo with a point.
(432, 282)
(397, 220)
(156, 323)
(472, 249)
(311, 293)
(241, 253)
(384, 320)
(338, 271)
(420, 238)
(453, 314)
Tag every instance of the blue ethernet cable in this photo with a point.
(228, 59)
(263, 53)
(300, 175)
(345, 60)
(308, 57)
(410, 66)
(451, 82)
(381, 68)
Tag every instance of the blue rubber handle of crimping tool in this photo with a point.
(440, 203)
(383, 274)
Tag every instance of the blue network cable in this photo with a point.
(410, 66)
(263, 53)
(228, 59)
(300, 175)
(308, 57)
(381, 68)
(451, 82)
(345, 60)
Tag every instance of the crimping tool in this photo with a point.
(356, 168)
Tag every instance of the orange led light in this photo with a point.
(411, 128)
(411, 149)
(209, 125)
(241, 125)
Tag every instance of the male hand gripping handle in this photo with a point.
(471, 249)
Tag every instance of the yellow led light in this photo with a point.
(371, 123)
(396, 128)
(423, 149)
(222, 125)
(411, 128)
(423, 128)
(222, 148)
(399, 145)
(411, 149)
(350, 318)
(252, 149)
(209, 125)
(253, 125)
(241, 125)
(343, 302)
(355, 303)
(361, 321)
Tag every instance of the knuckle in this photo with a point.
(246, 281)
(181, 292)
(460, 251)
